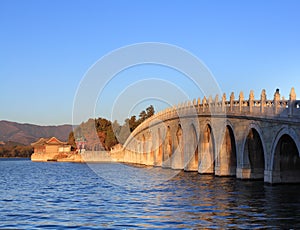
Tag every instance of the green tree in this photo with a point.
(102, 124)
(143, 116)
(71, 140)
(110, 139)
(107, 132)
(124, 132)
(150, 111)
(133, 123)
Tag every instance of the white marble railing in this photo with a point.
(250, 107)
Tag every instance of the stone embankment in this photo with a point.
(61, 157)
(87, 156)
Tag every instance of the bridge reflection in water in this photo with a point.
(246, 138)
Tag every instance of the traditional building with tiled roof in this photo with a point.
(50, 149)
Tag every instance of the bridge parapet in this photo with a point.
(279, 109)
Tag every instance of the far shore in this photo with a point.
(15, 158)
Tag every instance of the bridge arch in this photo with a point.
(191, 154)
(226, 160)
(207, 154)
(178, 156)
(168, 148)
(169, 143)
(285, 161)
(158, 148)
(144, 149)
(253, 153)
(150, 148)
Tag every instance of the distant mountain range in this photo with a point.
(28, 133)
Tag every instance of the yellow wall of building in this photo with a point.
(51, 149)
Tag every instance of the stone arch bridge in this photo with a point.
(246, 138)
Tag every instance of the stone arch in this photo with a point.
(169, 143)
(227, 158)
(159, 147)
(151, 156)
(285, 161)
(192, 153)
(253, 161)
(135, 150)
(136, 153)
(207, 154)
(167, 146)
(144, 150)
(178, 159)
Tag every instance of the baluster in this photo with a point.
(204, 103)
(276, 101)
(241, 100)
(291, 102)
(251, 100)
(223, 102)
(263, 98)
(231, 101)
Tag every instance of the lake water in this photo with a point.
(68, 195)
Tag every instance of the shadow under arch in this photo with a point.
(253, 160)
(226, 160)
(207, 153)
(191, 154)
(150, 149)
(158, 156)
(178, 156)
(144, 150)
(285, 161)
(167, 145)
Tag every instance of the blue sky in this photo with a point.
(46, 47)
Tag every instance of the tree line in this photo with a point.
(12, 149)
(108, 133)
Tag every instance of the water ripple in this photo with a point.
(66, 195)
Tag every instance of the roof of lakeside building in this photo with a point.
(48, 141)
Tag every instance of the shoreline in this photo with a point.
(84, 157)
(15, 158)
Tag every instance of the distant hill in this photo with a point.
(28, 133)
